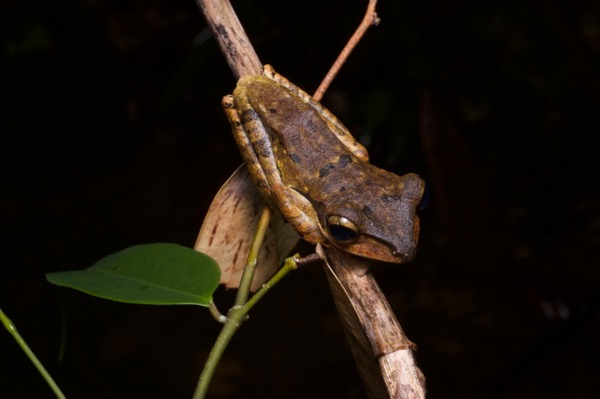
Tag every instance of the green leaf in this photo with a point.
(156, 274)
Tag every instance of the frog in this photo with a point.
(305, 163)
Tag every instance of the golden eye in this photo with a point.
(341, 229)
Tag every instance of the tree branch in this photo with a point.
(232, 38)
(356, 294)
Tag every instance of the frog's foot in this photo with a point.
(299, 212)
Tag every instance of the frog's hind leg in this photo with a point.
(244, 143)
(299, 212)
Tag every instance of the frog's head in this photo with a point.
(377, 220)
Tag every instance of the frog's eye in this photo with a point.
(342, 229)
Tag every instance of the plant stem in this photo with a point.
(12, 329)
(236, 316)
(248, 274)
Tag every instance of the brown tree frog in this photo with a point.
(308, 165)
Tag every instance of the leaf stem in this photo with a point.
(214, 311)
(12, 329)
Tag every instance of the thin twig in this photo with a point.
(369, 19)
(309, 259)
(289, 265)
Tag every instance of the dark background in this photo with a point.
(112, 135)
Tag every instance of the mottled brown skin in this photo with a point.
(305, 162)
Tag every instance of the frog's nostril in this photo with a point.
(399, 254)
(405, 255)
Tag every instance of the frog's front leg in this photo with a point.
(299, 212)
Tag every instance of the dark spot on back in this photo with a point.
(390, 198)
(344, 160)
(272, 110)
(295, 158)
(367, 210)
(326, 169)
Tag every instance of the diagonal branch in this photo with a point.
(382, 337)
(232, 38)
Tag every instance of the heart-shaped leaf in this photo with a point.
(156, 274)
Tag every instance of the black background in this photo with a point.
(112, 135)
